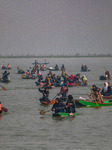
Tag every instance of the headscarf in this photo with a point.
(105, 88)
(84, 78)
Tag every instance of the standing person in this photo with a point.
(70, 105)
(63, 92)
(58, 106)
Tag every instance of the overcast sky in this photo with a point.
(55, 27)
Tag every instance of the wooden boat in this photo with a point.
(64, 114)
(21, 72)
(88, 103)
(53, 69)
(107, 97)
(84, 70)
(26, 77)
(36, 62)
(5, 81)
(104, 78)
(49, 102)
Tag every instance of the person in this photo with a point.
(62, 67)
(63, 92)
(8, 66)
(107, 74)
(104, 89)
(45, 93)
(0, 108)
(5, 75)
(84, 80)
(94, 88)
(98, 97)
(56, 67)
(58, 106)
(70, 105)
(109, 89)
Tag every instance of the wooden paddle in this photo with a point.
(43, 112)
(3, 87)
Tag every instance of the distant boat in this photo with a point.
(36, 62)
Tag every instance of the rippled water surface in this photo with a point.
(23, 128)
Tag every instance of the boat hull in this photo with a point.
(64, 114)
(86, 103)
(49, 102)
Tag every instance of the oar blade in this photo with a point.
(3, 88)
(42, 112)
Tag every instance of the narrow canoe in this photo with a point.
(49, 102)
(104, 78)
(107, 97)
(85, 70)
(25, 77)
(5, 81)
(63, 114)
(87, 103)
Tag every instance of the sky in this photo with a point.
(57, 27)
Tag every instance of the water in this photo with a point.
(23, 128)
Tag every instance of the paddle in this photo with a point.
(3, 87)
(43, 112)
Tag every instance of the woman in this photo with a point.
(63, 92)
(105, 89)
(70, 105)
(58, 106)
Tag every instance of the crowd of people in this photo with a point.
(97, 93)
(63, 79)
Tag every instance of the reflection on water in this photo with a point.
(24, 128)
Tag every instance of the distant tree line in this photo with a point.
(52, 55)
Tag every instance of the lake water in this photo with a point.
(23, 128)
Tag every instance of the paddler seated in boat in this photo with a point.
(5, 75)
(28, 74)
(104, 89)
(98, 97)
(58, 106)
(94, 88)
(107, 74)
(62, 67)
(84, 80)
(45, 93)
(8, 66)
(56, 67)
(63, 92)
(70, 105)
(109, 89)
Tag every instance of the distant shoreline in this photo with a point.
(54, 56)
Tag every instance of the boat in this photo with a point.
(26, 77)
(84, 70)
(53, 69)
(107, 97)
(36, 62)
(88, 103)
(21, 72)
(104, 78)
(61, 114)
(49, 102)
(5, 81)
